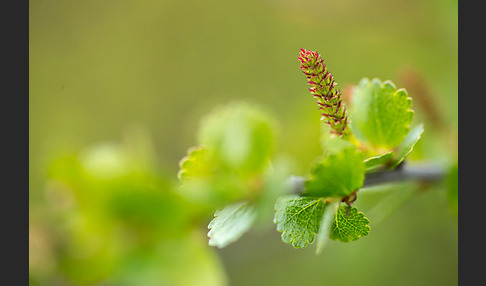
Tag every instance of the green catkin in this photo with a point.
(323, 88)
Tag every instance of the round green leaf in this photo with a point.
(337, 174)
(380, 114)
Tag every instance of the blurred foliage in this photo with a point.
(118, 220)
(452, 184)
(234, 170)
(112, 210)
(236, 142)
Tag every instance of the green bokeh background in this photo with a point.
(99, 67)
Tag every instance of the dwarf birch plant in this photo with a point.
(234, 171)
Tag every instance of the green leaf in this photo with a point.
(194, 164)
(235, 147)
(407, 145)
(230, 223)
(235, 219)
(240, 135)
(337, 174)
(298, 219)
(208, 183)
(380, 114)
(348, 228)
(378, 161)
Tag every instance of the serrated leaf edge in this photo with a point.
(211, 224)
(398, 92)
(283, 232)
(361, 216)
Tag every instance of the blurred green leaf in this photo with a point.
(230, 223)
(378, 161)
(234, 220)
(208, 183)
(407, 145)
(236, 145)
(195, 164)
(241, 136)
(380, 114)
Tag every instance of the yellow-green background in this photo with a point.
(98, 67)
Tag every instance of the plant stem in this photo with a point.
(422, 173)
